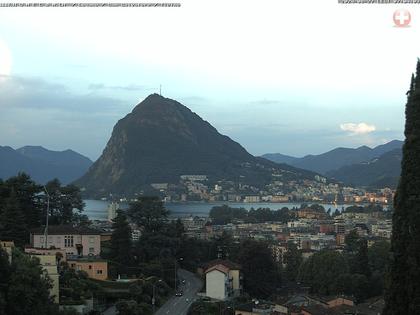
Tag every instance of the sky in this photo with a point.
(295, 77)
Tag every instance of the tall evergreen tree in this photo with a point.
(12, 222)
(362, 259)
(28, 288)
(121, 240)
(403, 294)
(293, 259)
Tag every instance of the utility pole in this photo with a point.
(46, 221)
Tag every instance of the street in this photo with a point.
(179, 305)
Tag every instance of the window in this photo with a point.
(98, 272)
(68, 241)
(50, 239)
(91, 250)
(90, 266)
(58, 239)
(41, 239)
(91, 239)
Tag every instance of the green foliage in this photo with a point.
(370, 208)
(352, 241)
(148, 212)
(63, 200)
(75, 286)
(404, 290)
(261, 274)
(12, 224)
(205, 308)
(131, 307)
(22, 207)
(24, 289)
(293, 260)
(121, 242)
(225, 214)
(322, 270)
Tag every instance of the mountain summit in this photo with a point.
(160, 140)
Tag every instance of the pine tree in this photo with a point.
(12, 222)
(403, 294)
(293, 260)
(121, 240)
(362, 259)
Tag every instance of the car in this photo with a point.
(183, 281)
(179, 293)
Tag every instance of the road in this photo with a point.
(179, 305)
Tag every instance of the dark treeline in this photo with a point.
(358, 271)
(225, 214)
(23, 206)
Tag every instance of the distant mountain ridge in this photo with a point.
(336, 158)
(383, 171)
(162, 139)
(43, 164)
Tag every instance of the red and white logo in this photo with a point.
(402, 18)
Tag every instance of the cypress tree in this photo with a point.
(121, 240)
(12, 222)
(403, 294)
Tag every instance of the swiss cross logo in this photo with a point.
(402, 18)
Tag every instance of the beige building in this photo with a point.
(95, 268)
(223, 280)
(60, 254)
(80, 241)
(49, 265)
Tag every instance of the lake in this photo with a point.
(97, 209)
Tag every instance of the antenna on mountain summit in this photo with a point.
(160, 89)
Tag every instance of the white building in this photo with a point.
(112, 210)
(222, 280)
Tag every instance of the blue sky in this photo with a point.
(294, 77)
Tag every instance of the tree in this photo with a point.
(403, 295)
(28, 283)
(121, 240)
(148, 212)
(63, 201)
(12, 224)
(261, 275)
(293, 260)
(26, 193)
(5, 272)
(362, 259)
(352, 241)
(322, 272)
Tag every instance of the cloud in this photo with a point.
(37, 93)
(130, 87)
(357, 129)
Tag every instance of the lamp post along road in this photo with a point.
(46, 221)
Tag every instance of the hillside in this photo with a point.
(42, 164)
(160, 140)
(379, 172)
(336, 158)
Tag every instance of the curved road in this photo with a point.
(179, 305)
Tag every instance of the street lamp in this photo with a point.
(46, 221)
(153, 298)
